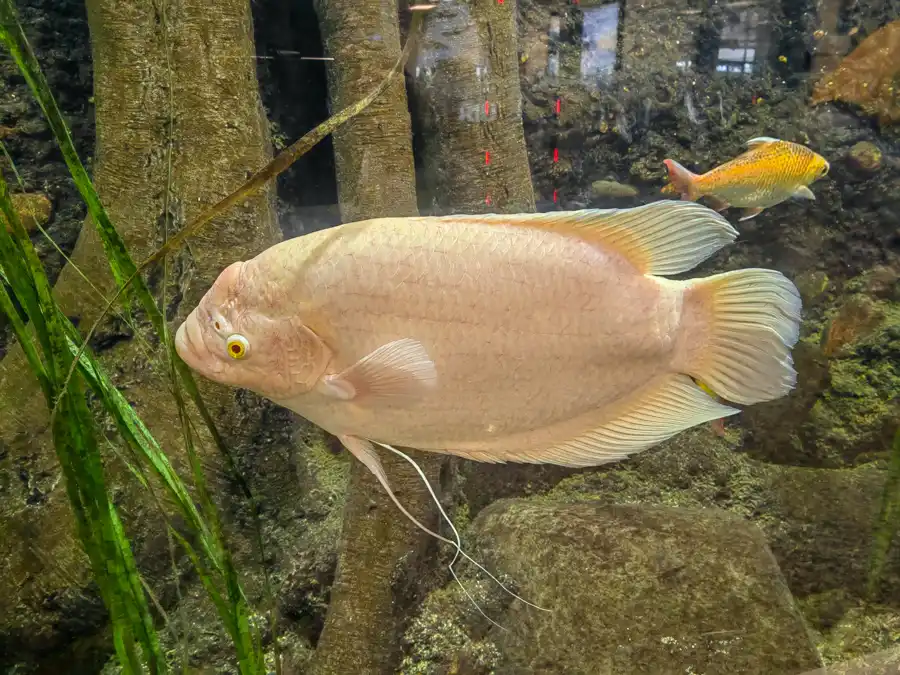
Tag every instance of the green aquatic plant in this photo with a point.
(213, 561)
(888, 522)
(60, 359)
(99, 528)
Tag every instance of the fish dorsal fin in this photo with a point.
(664, 237)
(676, 405)
(761, 140)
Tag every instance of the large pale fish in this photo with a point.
(547, 338)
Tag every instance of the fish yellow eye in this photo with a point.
(237, 346)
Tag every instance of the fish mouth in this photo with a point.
(183, 347)
(188, 341)
(191, 348)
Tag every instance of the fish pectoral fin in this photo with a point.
(398, 370)
(761, 140)
(663, 237)
(803, 192)
(655, 416)
(751, 213)
(717, 203)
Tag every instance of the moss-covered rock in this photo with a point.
(630, 589)
(818, 522)
(845, 406)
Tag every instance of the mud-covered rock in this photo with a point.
(32, 208)
(612, 189)
(630, 589)
(865, 156)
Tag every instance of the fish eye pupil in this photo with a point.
(237, 346)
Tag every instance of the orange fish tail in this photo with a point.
(681, 180)
(736, 335)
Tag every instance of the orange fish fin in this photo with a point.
(739, 329)
(655, 416)
(761, 140)
(717, 203)
(682, 181)
(398, 370)
(664, 237)
(718, 427)
(751, 213)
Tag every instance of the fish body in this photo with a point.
(532, 337)
(768, 173)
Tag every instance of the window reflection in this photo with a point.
(599, 38)
(741, 43)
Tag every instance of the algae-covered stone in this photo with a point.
(33, 209)
(612, 189)
(865, 156)
(631, 589)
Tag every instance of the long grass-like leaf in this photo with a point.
(215, 566)
(888, 522)
(97, 522)
(123, 268)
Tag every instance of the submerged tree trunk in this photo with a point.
(173, 69)
(469, 106)
(374, 162)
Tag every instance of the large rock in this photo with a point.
(632, 589)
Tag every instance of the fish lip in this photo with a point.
(191, 348)
(183, 346)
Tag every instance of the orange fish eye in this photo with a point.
(237, 346)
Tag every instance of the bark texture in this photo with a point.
(373, 153)
(470, 109)
(179, 69)
(374, 163)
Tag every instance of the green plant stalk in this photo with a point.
(138, 437)
(97, 522)
(123, 268)
(121, 264)
(127, 274)
(888, 521)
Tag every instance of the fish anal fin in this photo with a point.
(803, 192)
(663, 237)
(717, 203)
(761, 140)
(747, 214)
(398, 370)
(673, 406)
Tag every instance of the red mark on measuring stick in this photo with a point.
(555, 197)
(487, 157)
(487, 108)
(555, 154)
(558, 106)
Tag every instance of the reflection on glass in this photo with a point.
(741, 42)
(553, 64)
(601, 27)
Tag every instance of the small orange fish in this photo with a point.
(768, 173)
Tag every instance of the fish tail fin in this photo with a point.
(681, 181)
(738, 329)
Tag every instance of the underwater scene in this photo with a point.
(452, 337)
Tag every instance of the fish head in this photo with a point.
(818, 168)
(241, 334)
